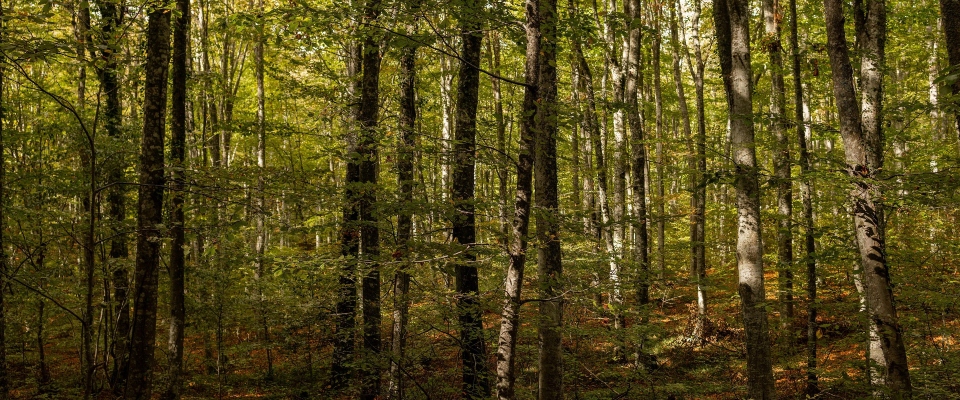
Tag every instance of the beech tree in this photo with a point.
(150, 208)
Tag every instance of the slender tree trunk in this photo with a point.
(658, 116)
(806, 194)
(692, 159)
(111, 17)
(176, 265)
(261, 228)
(405, 176)
(346, 307)
(634, 45)
(616, 64)
(150, 215)
(781, 163)
(698, 200)
(863, 150)
(475, 382)
(369, 114)
(510, 315)
(950, 17)
(733, 41)
(548, 208)
(81, 15)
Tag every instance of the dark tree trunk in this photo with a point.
(346, 308)
(369, 230)
(806, 193)
(178, 139)
(631, 88)
(950, 15)
(475, 382)
(733, 42)
(510, 315)
(405, 227)
(111, 17)
(548, 208)
(150, 214)
(406, 151)
(863, 151)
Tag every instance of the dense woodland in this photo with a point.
(423, 199)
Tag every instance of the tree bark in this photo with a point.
(699, 197)
(631, 88)
(261, 203)
(510, 315)
(781, 163)
(150, 215)
(806, 193)
(178, 133)
(369, 230)
(111, 17)
(548, 208)
(346, 307)
(406, 156)
(616, 64)
(463, 220)
(733, 42)
(863, 151)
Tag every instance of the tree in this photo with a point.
(406, 157)
(732, 19)
(150, 207)
(806, 194)
(463, 221)
(178, 139)
(781, 161)
(517, 249)
(549, 264)
(863, 154)
(111, 18)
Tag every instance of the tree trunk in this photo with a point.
(658, 129)
(863, 150)
(178, 138)
(369, 230)
(346, 307)
(111, 17)
(781, 164)
(150, 214)
(692, 159)
(631, 87)
(510, 315)
(950, 16)
(698, 236)
(806, 194)
(261, 203)
(733, 43)
(616, 67)
(406, 155)
(548, 208)
(475, 382)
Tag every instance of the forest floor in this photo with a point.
(677, 367)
